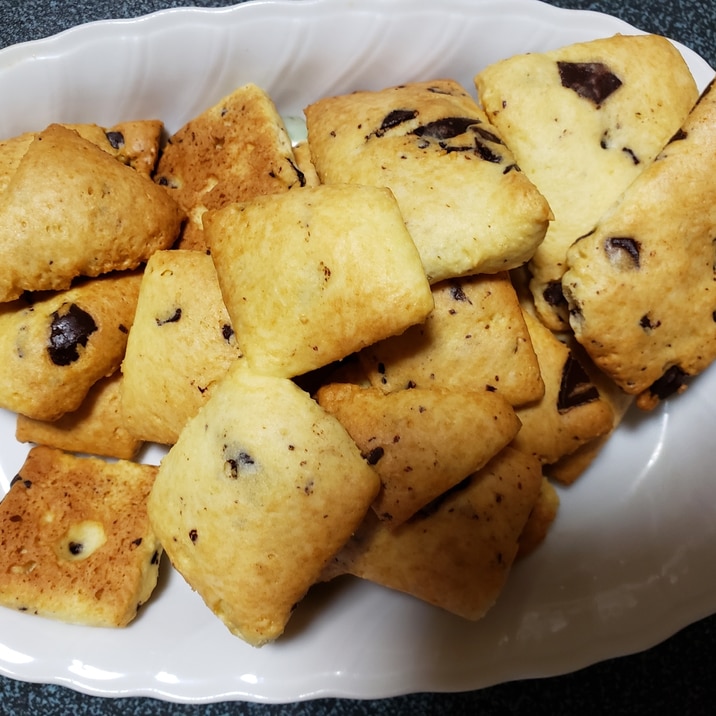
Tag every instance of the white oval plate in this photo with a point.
(630, 559)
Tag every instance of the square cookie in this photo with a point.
(312, 275)
(76, 541)
(261, 489)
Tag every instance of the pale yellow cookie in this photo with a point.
(312, 275)
(583, 121)
(465, 202)
(261, 489)
(180, 345)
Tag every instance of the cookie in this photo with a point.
(260, 490)
(475, 338)
(583, 121)
(572, 410)
(95, 428)
(54, 346)
(70, 209)
(135, 144)
(640, 287)
(76, 541)
(233, 151)
(420, 441)
(302, 154)
(465, 202)
(312, 275)
(457, 553)
(540, 521)
(180, 345)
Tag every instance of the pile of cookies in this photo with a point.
(373, 353)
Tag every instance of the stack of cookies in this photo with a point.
(378, 353)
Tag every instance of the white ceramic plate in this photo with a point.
(630, 559)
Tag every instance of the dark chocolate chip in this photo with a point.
(484, 152)
(373, 456)
(445, 128)
(575, 388)
(647, 324)
(487, 135)
(395, 118)
(176, 316)
(591, 80)
(236, 464)
(301, 176)
(457, 293)
(227, 332)
(619, 246)
(679, 136)
(669, 383)
(75, 547)
(116, 139)
(67, 333)
(554, 295)
(631, 153)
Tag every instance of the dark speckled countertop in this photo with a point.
(675, 677)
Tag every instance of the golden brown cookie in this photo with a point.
(457, 553)
(421, 442)
(70, 209)
(233, 151)
(540, 520)
(135, 144)
(77, 544)
(475, 338)
(54, 346)
(583, 121)
(572, 411)
(312, 275)
(180, 345)
(465, 202)
(641, 285)
(95, 428)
